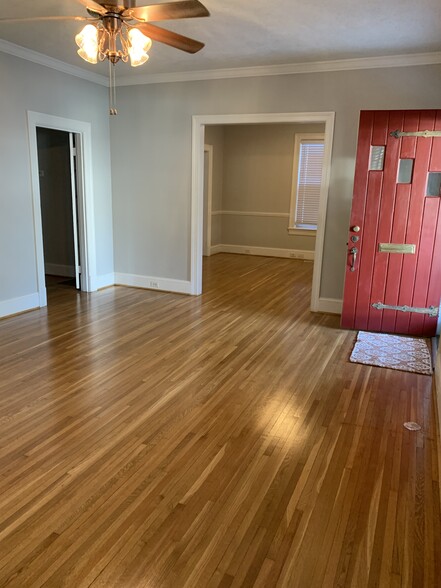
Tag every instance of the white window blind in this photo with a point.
(308, 183)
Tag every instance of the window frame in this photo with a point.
(293, 229)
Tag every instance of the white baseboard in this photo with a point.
(103, 281)
(329, 305)
(263, 251)
(152, 283)
(216, 249)
(16, 305)
(57, 269)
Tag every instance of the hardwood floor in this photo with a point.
(157, 440)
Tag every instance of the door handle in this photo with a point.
(353, 252)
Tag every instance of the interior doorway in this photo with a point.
(58, 179)
(80, 148)
(199, 190)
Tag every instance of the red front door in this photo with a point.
(393, 269)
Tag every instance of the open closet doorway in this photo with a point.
(58, 179)
(79, 135)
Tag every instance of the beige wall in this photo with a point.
(258, 164)
(252, 172)
(214, 135)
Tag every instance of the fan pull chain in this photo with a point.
(112, 90)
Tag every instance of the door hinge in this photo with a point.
(431, 310)
(397, 134)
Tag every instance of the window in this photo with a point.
(306, 184)
(433, 184)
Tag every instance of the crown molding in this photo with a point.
(285, 69)
(35, 57)
(144, 77)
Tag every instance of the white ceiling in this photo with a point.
(245, 33)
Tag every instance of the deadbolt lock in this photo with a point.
(356, 229)
(355, 238)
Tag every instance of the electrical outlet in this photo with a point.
(154, 284)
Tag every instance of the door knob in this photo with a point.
(356, 229)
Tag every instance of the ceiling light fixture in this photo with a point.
(111, 38)
(119, 30)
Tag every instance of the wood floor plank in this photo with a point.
(152, 439)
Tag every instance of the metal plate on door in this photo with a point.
(396, 247)
(430, 310)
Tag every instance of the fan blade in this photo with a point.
(45, 18)
(168, 11)
(170, 38)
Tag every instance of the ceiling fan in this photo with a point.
(118, 30)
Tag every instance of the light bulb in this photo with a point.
(87, 41)
(139, 45)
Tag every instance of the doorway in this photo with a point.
(57, 168)
(80, 137)
(197, 236)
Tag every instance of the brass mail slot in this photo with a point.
(396, 248)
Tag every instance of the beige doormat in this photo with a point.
(393, 351)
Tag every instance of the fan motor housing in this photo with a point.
(118, 5)
(112, 23)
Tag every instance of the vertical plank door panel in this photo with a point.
(424, 266)
(411, 124)
(433, 294)
(414, 224)
(369, 247)
(435, 156)
(385, 223)
(396, 259)
(357, 214)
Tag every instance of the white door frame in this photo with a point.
(197, 190)
(207, 213)
(73, 159)
(86, 223)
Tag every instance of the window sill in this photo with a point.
(304, 231)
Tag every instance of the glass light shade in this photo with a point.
(87, 41)
(139, 45)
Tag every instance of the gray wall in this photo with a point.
(151, 157)
(56, 198)
(152, 138)
(27, 86)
